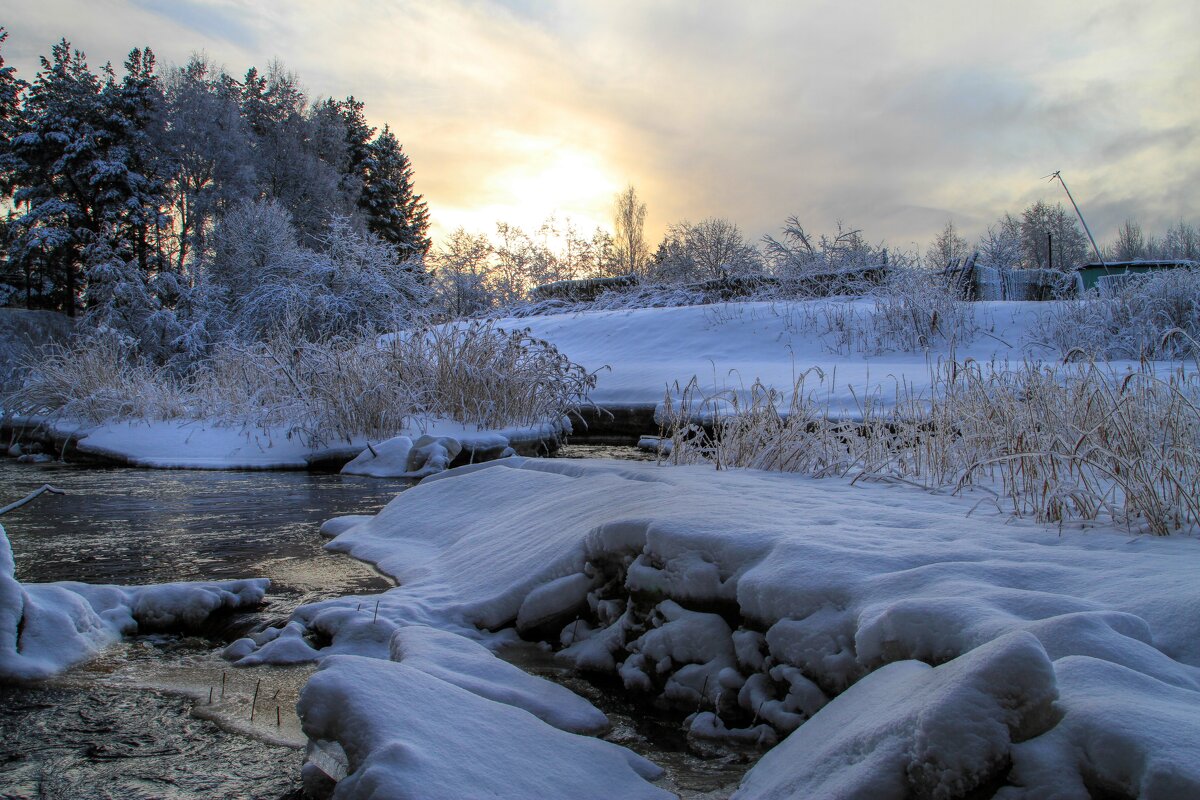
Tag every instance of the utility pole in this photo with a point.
(1057, 174)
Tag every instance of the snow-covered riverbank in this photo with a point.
(1063, 662)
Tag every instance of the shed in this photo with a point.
(1090, 274)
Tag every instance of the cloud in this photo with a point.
(214, 21)
(890, 116)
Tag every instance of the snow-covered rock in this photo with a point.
(388, 459)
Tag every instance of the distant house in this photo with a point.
(1107, 276)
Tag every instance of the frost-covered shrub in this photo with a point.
(95, 379)
(333, 389)
(916, 308)
(1156, 316)
(267, 281)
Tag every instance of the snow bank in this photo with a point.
(198, 445)
(729, 345)
(206, 445)
(45, 628)
(406, 733)
(760, 598)
(471, 666)
(911, 730)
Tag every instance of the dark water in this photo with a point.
(137, 722)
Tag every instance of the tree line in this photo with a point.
(160, 197)
(476, 271)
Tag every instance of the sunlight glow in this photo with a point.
(545, 178)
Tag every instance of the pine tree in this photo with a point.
(394, 212)
(358, 140)
(134, 186)
(55, 157)
(11, 89)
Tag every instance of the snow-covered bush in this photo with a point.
(1156, 315)
(351, 282)
(329, 390)
(916, 307)
(1056, 444)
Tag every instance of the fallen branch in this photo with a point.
(32, 495)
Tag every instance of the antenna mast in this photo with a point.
(1057, 174)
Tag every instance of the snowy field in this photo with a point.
(730, 345)
(891, 645)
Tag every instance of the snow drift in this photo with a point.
(759, 599)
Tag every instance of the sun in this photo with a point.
(542, 177)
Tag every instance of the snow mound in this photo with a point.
(911, 730)
(471, 666)
(387, 459)
(745, 599)
(1123, 734)
(45, 628)
(406, 733)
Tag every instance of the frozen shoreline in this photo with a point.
(761, 598)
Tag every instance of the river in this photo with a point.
(164, 716)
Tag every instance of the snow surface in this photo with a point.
(47, 627)
(761, 599)
(727, 346)
(407, 733)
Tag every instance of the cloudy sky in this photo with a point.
(892, 117)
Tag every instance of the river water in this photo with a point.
(164, 716)
(138, 722)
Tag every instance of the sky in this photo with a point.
(892, 117)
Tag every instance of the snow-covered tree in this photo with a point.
(1182, 241)
(1043, 224)
(629, 233)
(394, 211)
(1000, 245)
(57, 155)
(11, 89)
(208, 143)
(1130, 244)
(799, 255)
(267, 279)
(461, 264)
(947, 247)
(133, 178)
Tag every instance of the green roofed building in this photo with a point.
(1091, 274)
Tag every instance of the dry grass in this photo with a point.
(1156, 315)
(335, 389)
(1059, 444)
